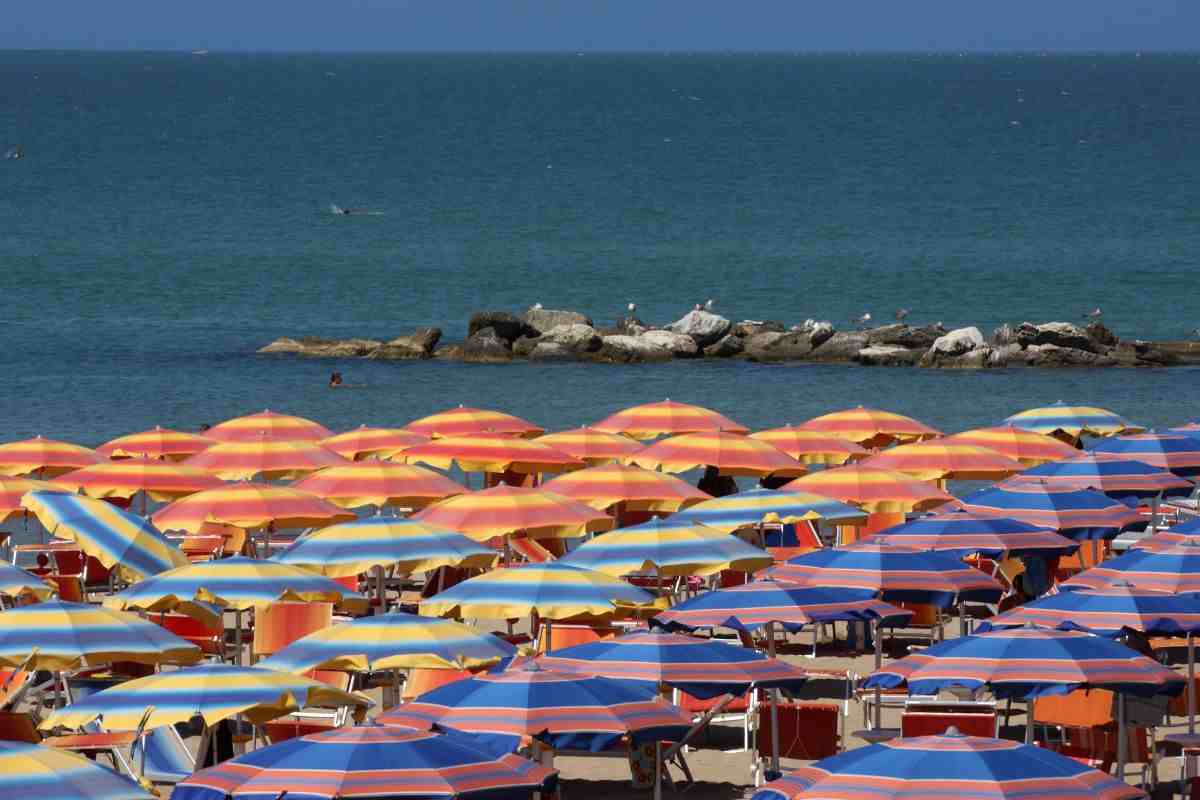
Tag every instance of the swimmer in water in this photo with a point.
(335, 380)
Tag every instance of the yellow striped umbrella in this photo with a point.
(504, 510)
(379, 483)
(730, 453)
(1029, 447)
(249, 506)
(489, 452)
(871, 427)
(812, 447)
(651, 420)
(874, 490)
(44, 457)
(937, 459)
(13, 489)
(463, 421)
(156, 443)
(264, 456)
(363, 442)
(592, 446)
(1072, 422)
(160, 480)
(33, 770)
(281, 426)
(637, 489)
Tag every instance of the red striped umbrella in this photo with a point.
(13, 489)
(730, 453)
(592, 446)
(160, 480)
(363, 442)
(668, 418)
(281, 426)
(812, 447)
(265, 456)
(1029, 447)
(44, 458)
(871, 427)
(503, 510)
(636, 488)
(249, 506)
(159, 442)
(489, 452)
(937, 459)
(379, 483)
(874, 490)
(463, 421)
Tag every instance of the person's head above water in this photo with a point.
(335, 379)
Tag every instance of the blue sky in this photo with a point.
(600, 25)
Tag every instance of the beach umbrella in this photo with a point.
(264, 456)
(729, 453)
(556, 591)
(591, 446)
(17, 583)
(1173, 568)
(812, 447)
(1079, 514)
(667, 418)
(160, 480)
(1176, 452)
(119, 540)
(44, 458)
(212, 692)
(873, 490)
(351, 548)
(1182, 533)
(948, 764)
(1107, 611)
(757, 506)
(158, 443)
(31, 770)
(667, 548)
(961, 533)
(1072, 422)
(366, 442)
(13, 489)
(632, 488)
(249, 506)
(1028, 447)
(503, 510)
(392, 641)
(370, 763)
(379, 483)
(463, 421)
(1117, 477)
(490, 452)
(870, 427)
(939, 460)
(278, 426)
(56, 635)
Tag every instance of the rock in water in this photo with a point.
(948, 350)
(418, 344)
(504, 325)
(485, 347)
(543, 319)
(574, 336)
(630, 350)
(728, 347)
(677, 344)
(315, 347)
(1064, 334)
(704, 327)
(551, 351)
(841, 346)
(886, 355)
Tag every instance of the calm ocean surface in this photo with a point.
(171, 215)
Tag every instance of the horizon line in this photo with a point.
(1038, 52)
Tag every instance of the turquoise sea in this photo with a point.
(171, 214)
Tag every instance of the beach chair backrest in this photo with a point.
(420, 680)
(280, 624)
(210, 639)
(168, 759)
(68, 562)
(11, 682)
(18, 727)
(70, 587)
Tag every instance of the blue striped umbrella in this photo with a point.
(1120, 478)
(755, 506)
(30, 770)
(1106, 611)
(16, 582)
(1177, 451)
(960, 533)
(1071, 421)
(668, 547)
(1079, 514)
(1182, 533)
(1173, 568)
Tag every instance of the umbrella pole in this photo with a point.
(379, 588)
(237, 636)
(962, 618)
(1029, 721)
(1191, 687)
(878, 721)
(1121, 736)
(657, 770)
(774, 703)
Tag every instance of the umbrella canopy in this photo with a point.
(1106, 611)
(591, 446)
(392, 641)
(64, 636)
(1072, 421)
(730, 453)
(264, 456)
(667, 418)
(755, 506)
(751, 606)
(490, 452)
(44, 458)
(13, 489)
(16, 582)
(365, 442)
(703, 668)
(1176, 452)
(249, 506)
(1079, 514)
(667, 548)
(874, 490)
(1029, 447)
(278, 426)
(933, 766)
(636, 488)
(1027, 663)
(463, 421)
(812, 447)
(117, 539)
(379, 483)
(31, 770)
(352, 548)
(554, 590)
(1119, 478)
(211, 691)
(1173, 568)
(365, 763)
(1182, 533)
(158, 443)
(504, 510)
(870, 427)
(899, 573)
(961, 533)
(160, 480)
(564, 710)
(937, 459)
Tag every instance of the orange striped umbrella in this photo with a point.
(463, 421)
(637, 488)
(363, 442)
(1029, 447)
(871, 427)
(874, 490)
(812, 447)
(651, 420)
(592, 446)
(379, 483)
(937, 459)
(504, 510)
(160, 480)
(249, 506)
(281, 426)
(490, 452)
(264, 456)
(730, 453)
(156, 443)
(13, 489)
(45, 457)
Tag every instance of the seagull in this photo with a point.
(696, 307)
(1095, 313)
(708, 304)
(864, 319)
(632, 307)
(536, 307)
(901, 314)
